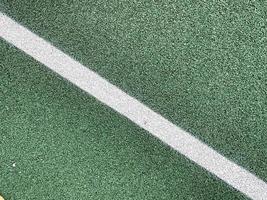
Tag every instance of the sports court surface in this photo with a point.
(69, 133)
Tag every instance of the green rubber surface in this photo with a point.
(59, 143)
(200, 64)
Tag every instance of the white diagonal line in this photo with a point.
(140, 114)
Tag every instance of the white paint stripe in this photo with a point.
(89, 81)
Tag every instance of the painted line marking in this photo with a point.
(112, 96)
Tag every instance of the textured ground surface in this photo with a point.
(201, 65)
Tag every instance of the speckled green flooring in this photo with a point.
(201, 65)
